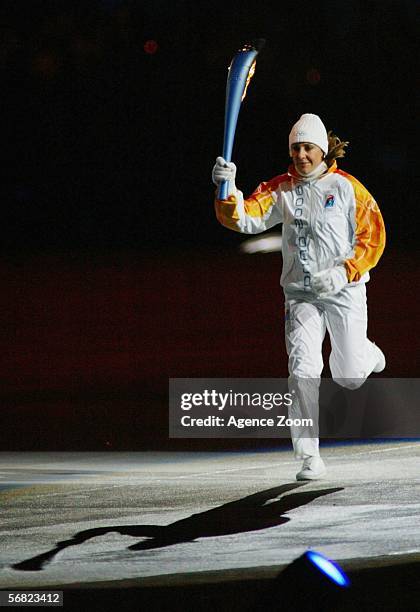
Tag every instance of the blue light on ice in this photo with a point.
(331, 569)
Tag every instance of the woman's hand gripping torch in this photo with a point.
(241, 70)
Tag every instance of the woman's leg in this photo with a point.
(353, 356)
(304, 332)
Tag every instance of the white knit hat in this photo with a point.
(309, 128)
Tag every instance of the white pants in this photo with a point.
(353, 355)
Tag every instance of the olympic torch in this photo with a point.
(241, 71)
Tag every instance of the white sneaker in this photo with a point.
(312, 469)
(381, 363)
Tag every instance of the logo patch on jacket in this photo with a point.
(329, 202)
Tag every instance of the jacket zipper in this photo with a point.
(311, 226)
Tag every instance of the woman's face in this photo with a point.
(306, 156)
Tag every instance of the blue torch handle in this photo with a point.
(236, 81)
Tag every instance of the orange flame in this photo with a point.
(248, 78)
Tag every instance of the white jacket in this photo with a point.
(329, 220)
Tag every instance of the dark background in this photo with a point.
(115, 274)
(105, 146)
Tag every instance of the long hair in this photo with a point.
(336, 148)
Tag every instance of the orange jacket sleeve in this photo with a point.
(253, 215)
(369, 232)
